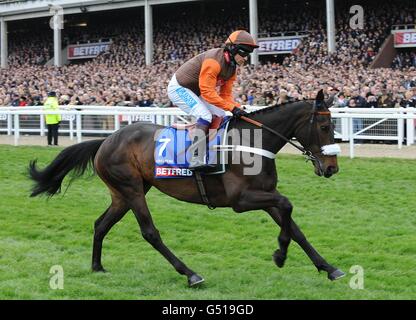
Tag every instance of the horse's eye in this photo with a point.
(325, 128)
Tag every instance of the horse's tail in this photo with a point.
(77, 157)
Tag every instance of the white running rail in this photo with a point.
(351, 124)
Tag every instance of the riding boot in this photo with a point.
(198, 148)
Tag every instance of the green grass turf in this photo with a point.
(365, 215)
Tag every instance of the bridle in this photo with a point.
(305, 152)
(314, 113)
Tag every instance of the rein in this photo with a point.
(306, 153)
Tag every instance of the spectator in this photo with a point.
(409, 101)
(283, 98)
(385, 100)
(22, 101)
(242, 99)
(146, 102)
(15, 101)
(52, 120)
(399, 101)
(340, 101)
(37, 101)
(270, 99)
(371, 101)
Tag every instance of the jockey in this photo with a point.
(193, 88)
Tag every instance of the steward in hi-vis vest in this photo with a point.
(52, 120)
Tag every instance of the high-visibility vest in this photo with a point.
(51, 103)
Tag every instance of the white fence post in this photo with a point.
(16, 130)
(400, 131)
(351, 136)
(71, 127)
(116, 122)
(78, 128)
(9, 125)
(344, 129)
(410, 127)
(42, 125)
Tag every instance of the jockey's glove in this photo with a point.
(238, 112)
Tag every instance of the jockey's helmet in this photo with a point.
(241, 42)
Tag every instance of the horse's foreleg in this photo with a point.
(297, 235)
(151, 235)
(102, 226)
(252, 200)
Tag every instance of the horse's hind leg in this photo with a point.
(151, 234)
(103, 224)
(297, 235)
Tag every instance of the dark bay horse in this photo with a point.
(125, 162)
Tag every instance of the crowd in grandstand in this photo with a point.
(405, 60)
(121, 78)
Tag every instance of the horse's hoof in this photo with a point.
(279, 259)
(98, 269)
(335, 275)
(195, 280)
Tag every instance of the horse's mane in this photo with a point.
(285, 105)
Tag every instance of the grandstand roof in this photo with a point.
(18, 9)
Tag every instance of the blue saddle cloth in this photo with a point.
(172, 153)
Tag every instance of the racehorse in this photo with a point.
(125, 162)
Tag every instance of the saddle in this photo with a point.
(190, 127)
(172, 149)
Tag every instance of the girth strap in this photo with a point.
(201, 189)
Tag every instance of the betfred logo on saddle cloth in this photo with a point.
(172, 154)
(166, 172)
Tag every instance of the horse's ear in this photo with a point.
(319, 99)
(320, 96)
